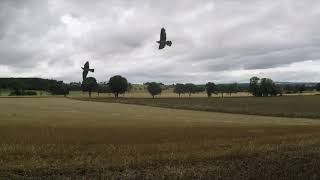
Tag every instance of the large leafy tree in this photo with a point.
(190, 88)
(200, 88)
(222, 88)
(233, 88)
(154, 89)
(179, 89)
(210, 88)
(118, 85)
(268, 87)
(264, 87)
(254, 88)
(89, 84)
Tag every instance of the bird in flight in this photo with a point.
(86, 69)
(163, 39)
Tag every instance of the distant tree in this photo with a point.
(89, 84)
(200, 88)
(289, 89)
(118, 85)
(74, 86)
(264, 87)
(154, 89)
(17, 87)
(99, 88)
(1, 87)
(294, 88)
(210, 88)
(302, 88)
(65, 89)
(277, 90)
(103, 88)
(190, 88)
(222, 88)
(243, 87)
(317, 87)
(267, 87)
(254, 88)
(233, 88)
(58, 88)
(23, 93)
(179, 89)
(130, 87)
(228, 89)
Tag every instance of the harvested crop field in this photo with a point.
(62, 138)
(285, 106)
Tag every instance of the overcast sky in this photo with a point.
(213, 40)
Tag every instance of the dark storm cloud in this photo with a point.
(221, 40)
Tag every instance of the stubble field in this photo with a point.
(285, 106)
(61, 138)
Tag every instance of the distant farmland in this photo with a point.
(61, 138)
(285, 106)
(169, 94)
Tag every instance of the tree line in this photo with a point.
(263, 87)
(19, 86)
(119, 85)
(267, 87)
(210, 88)
(257, 87)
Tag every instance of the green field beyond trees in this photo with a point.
(60, 138)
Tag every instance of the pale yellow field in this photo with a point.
(64, 112)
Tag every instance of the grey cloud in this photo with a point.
(211, 39)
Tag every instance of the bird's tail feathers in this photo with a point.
(169, 43)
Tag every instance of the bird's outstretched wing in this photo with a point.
(163, 35)
(84, 74)
(86, 65)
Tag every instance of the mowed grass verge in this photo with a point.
(285, 106)
(61, 138)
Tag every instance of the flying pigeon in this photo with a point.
(163, 39)
(86, 69)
